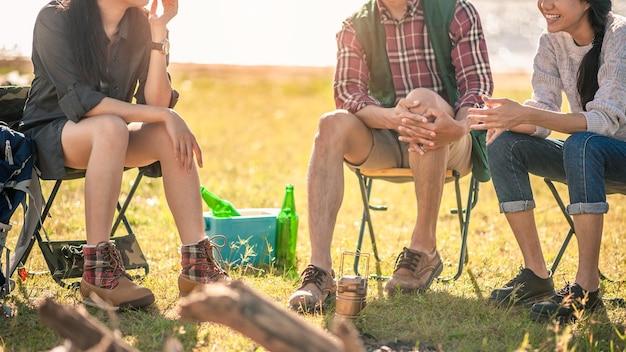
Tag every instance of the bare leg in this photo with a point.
(340, 134)
(429, 173)
(97, 144)
(149, 143)
(523, 226)
(589, 236)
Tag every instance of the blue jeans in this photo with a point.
(590, 164)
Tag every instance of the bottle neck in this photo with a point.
(289, 203)
(210, 198)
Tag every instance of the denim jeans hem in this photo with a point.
(515, 206)
(588, 208)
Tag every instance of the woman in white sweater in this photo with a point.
(582, 54)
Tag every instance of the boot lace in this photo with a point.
(112, 266)
(313, 275)
(565, 291)
(207, 259)
(408, 260)
(566, 296)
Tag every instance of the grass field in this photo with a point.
(256, 126)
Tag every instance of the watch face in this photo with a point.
(166, 47)
(163, 47)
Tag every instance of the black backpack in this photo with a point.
(16, 162)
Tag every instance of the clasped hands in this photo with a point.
(425, 128)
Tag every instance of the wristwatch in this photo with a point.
(163, 47)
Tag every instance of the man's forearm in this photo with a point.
(374, 116)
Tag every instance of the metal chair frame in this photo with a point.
(45, 244)
(571, 231)
(403, 175)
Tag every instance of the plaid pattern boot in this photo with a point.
(199, 267)
(104, 275)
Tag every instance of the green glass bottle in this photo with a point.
(287, 231)
(220, 208)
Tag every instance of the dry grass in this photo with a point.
(255, 126)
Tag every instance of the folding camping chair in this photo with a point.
(64, 257)
(610, 188)
(401, 175)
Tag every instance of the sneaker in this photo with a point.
(565, 305)
(317, 290)
(199, 266)
(104, 276)
(524, 289)
(414, 272)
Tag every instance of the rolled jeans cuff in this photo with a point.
(515, 206)
(588, 208)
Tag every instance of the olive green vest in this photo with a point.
(438, 15)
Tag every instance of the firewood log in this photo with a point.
(239, 307)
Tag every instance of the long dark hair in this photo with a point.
(88, 39)
(587, 84)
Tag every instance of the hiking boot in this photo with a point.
(414, 272)
(524, 289)
(317, 290)
(567, 304)
(199, 266)
(104, 276)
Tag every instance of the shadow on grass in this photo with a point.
(24, 331)
(133, 324)
(439, 321)
(19, 333)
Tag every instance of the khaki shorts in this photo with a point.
(389, 152)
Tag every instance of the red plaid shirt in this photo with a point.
(412, 58)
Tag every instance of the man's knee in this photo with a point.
(337, 123)
(344, 133)
(428, 99)
(422, 94)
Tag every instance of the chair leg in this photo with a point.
(46, 245)
(464, 215)
(571, 231)
(365, 185)
(121, 210)
(464, 221)
(44, 215)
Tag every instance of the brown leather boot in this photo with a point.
(104, 276)
(199, 267)
(414, 272)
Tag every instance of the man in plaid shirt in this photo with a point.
(417, 130)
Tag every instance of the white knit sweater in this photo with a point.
(555, 71)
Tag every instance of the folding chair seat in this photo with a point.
(610, 189)
(64, 257)
(402, 175)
